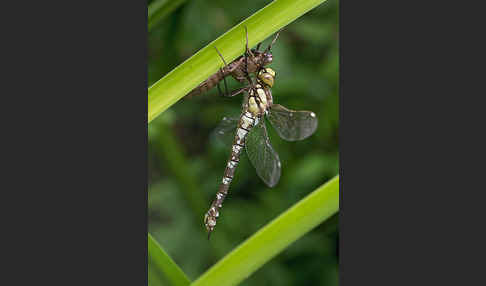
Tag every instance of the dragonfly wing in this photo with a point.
(261, 154)
(225, 130)
(292, 125)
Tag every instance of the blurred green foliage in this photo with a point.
(186, 163)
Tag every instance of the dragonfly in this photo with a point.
(250, 62)
(251, 134)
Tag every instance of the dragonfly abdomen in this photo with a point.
(246, 122)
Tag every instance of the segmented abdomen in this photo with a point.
(246, 122)
(208, 84)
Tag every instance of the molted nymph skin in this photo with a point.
(267, 58)
(236, 69)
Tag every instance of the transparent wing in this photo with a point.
(225, 131)
(292, 125)
(261, 154)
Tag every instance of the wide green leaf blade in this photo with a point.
(268, 20)
(274, 237)
(165, 264)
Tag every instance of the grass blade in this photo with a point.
(165, 264)
(268, 20)
(274, 237)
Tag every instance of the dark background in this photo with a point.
(74, 142)
(186, 163)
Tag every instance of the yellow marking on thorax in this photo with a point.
(253, 107)
(263, 99)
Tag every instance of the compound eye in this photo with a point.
(270, 71)
(268, 79)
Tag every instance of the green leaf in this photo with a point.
(164, 264)
(274, 237)
(268, 20)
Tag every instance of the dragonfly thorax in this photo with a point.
(258, 103)
(253, 107)
(260, 95)
(263, 97)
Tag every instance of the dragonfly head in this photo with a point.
(267, 58)
(267, 76)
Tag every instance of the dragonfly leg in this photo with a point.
(222, 75)
(226, 87)
(246, 65)
(273, 41)
(236, 92)
(247, 74)
(226, 93)
(219, 90)
(258, 46)
(248, 50)
(221, 56)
